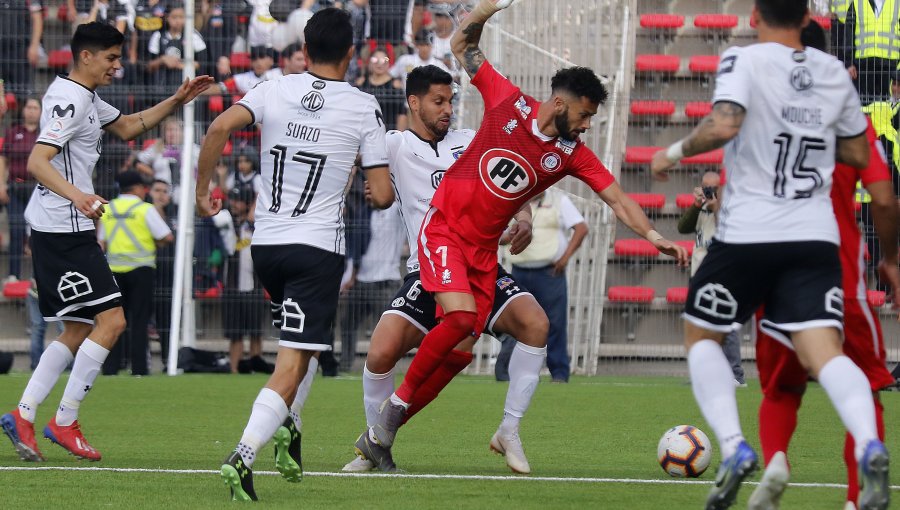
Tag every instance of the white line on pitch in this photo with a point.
(415, 476)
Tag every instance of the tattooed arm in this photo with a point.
(465, 40)
(713, 132)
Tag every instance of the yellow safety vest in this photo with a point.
(129, 242)
(839, 8)
(876, 36)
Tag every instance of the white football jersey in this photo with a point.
(312, 131)
(780, 165)
(72, 121)
(417, 167)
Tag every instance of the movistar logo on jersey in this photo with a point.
(59, 112)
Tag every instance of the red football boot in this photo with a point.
(71, 439)
(21, 432)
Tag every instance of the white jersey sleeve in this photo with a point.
(62, 119)
(106, 112)
(255, 101)
(733, 82)
(852, 122)
(372, 150)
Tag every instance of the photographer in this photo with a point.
(700, 218)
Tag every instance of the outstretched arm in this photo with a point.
(465, 40)
(129, 127)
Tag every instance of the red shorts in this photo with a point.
(780, 370)
(448, 263)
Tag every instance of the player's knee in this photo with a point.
(535, 328)
(461, 321)
(380, 360)
(112, 322)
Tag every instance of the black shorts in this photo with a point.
(242, 313)
(799, 282)
(74, 282)
(417, 306)
(306, 281)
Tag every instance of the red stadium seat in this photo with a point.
(240, 61)
(11, 103)
(16, 290)
(654, 201)
(623, 294)
(662, 21)
(635, 248)
(687, 245)
(716, 21)
(825, 21)
(684, 200)
(216, 104)
(709, 158)
(653, 108)
(59, 59)
(677, 295)
(876, 297)
(657, 63)
(704, 64)
(697, 109)
(640, 155)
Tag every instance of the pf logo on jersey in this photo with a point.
(506, 174)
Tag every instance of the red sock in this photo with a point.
(777, 421)
(454, 363)
(436, 345)
(850, 453)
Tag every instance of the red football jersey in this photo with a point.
(842, 197)
(508, 162)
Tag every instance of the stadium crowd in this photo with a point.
(240, 43)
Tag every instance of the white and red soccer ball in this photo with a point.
(684, 451)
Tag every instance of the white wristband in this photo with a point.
(654, 236)
(675, 152)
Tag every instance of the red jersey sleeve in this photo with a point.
(586, 166)
(877, 170)
(494, 87)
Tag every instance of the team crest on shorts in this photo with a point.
(506, 174)
(73, 285)
(550, 161)
(716, 301)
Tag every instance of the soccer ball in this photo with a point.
(684, 451)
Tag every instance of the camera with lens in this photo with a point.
(709, 191)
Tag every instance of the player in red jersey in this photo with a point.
(522, 147)
(782, 377)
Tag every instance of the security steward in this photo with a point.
(130, 232)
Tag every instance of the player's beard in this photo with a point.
(561, 122)
(436, 127)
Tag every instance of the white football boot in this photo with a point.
(767, 495)
(358, 465)
(510, 446)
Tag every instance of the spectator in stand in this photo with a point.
(867, 41)
(110, 12)
(373, 281)
(149, 18)
(262, 62)
(700, 218)
(20, 42)
(219, 19)
(293, 60)
(167, 52)
(558, 230)
(214, 241)
(165, 268)
(247, 172)
(162, 160)
(16, 183)
(262, 24)
(388, 22)
(379, 82)
(443, 31)
(243, 304)
(129, 233)
(289, 29)
(422, 57)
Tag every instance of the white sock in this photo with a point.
(269, 412)
(713, 385)
(851, 396)
(52, 363)
(376, 389)
(87, 365)
(524, 372)
(303, 393)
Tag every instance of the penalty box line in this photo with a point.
(413, 476)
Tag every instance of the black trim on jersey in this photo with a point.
(65, 77)
(119, 116)
(433, 145)
(48, 144)
(252, 116)
(729, 101)
(853, 136)
(324, 79)
(369, 167)
(66, 170)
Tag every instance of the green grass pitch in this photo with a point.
(591, 428)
